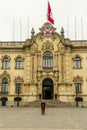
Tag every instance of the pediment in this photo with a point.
(77, 79)
(18, 79)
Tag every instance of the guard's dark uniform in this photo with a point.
(43, 107)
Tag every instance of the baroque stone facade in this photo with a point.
(46, 66)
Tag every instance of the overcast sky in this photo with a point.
(11, 10)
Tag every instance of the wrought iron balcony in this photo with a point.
(18, 92)
(4, 93)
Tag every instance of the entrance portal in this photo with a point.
(4, 100)
(47, 89)
(18, 100)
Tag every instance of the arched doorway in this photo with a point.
(78, 99)
(18, 100)
(4, 100)
(47, 89)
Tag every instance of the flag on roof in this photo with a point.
(49, 14)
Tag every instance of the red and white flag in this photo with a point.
(49, 14)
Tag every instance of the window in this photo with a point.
(47, 60)
(78, 87)
(4, 86)
(19, 63)
(5, 63)
(77, 63)
(18, 88)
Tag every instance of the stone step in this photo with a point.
(49, 103)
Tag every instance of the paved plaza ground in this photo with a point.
(28, 118)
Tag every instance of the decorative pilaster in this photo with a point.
(32, 72)
(28, 65)
(39, 59)
(62, 67)
(68, 73)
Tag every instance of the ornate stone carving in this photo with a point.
(77, 55)
(77, 79)
(5, 75)
(47, 29)
(18, 79)
(5, 56)
(19, 56)
(47, 46)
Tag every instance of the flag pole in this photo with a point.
(20, 30)
(75, 28)
(67, 27)
(13, 29)
(82, 28)
(28, 27)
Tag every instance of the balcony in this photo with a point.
(4, 93)
(48, 69)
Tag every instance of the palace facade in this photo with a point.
(46, 66)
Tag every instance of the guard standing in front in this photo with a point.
(43, 105)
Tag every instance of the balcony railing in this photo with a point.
(4, 93)
(18, 92)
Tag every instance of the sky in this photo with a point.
(14, 16)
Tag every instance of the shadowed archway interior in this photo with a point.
(47, 89)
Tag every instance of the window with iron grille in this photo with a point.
(78, 87)
(5, 63)
(4, 89)
(18, 88)
(19, 63)
(47, 60)
(77, 63)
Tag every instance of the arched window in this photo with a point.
(18, 88)
(4, 86)
(5, 63)
(77, 63)
(78, 87)
(19, 63)
(47, 60)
